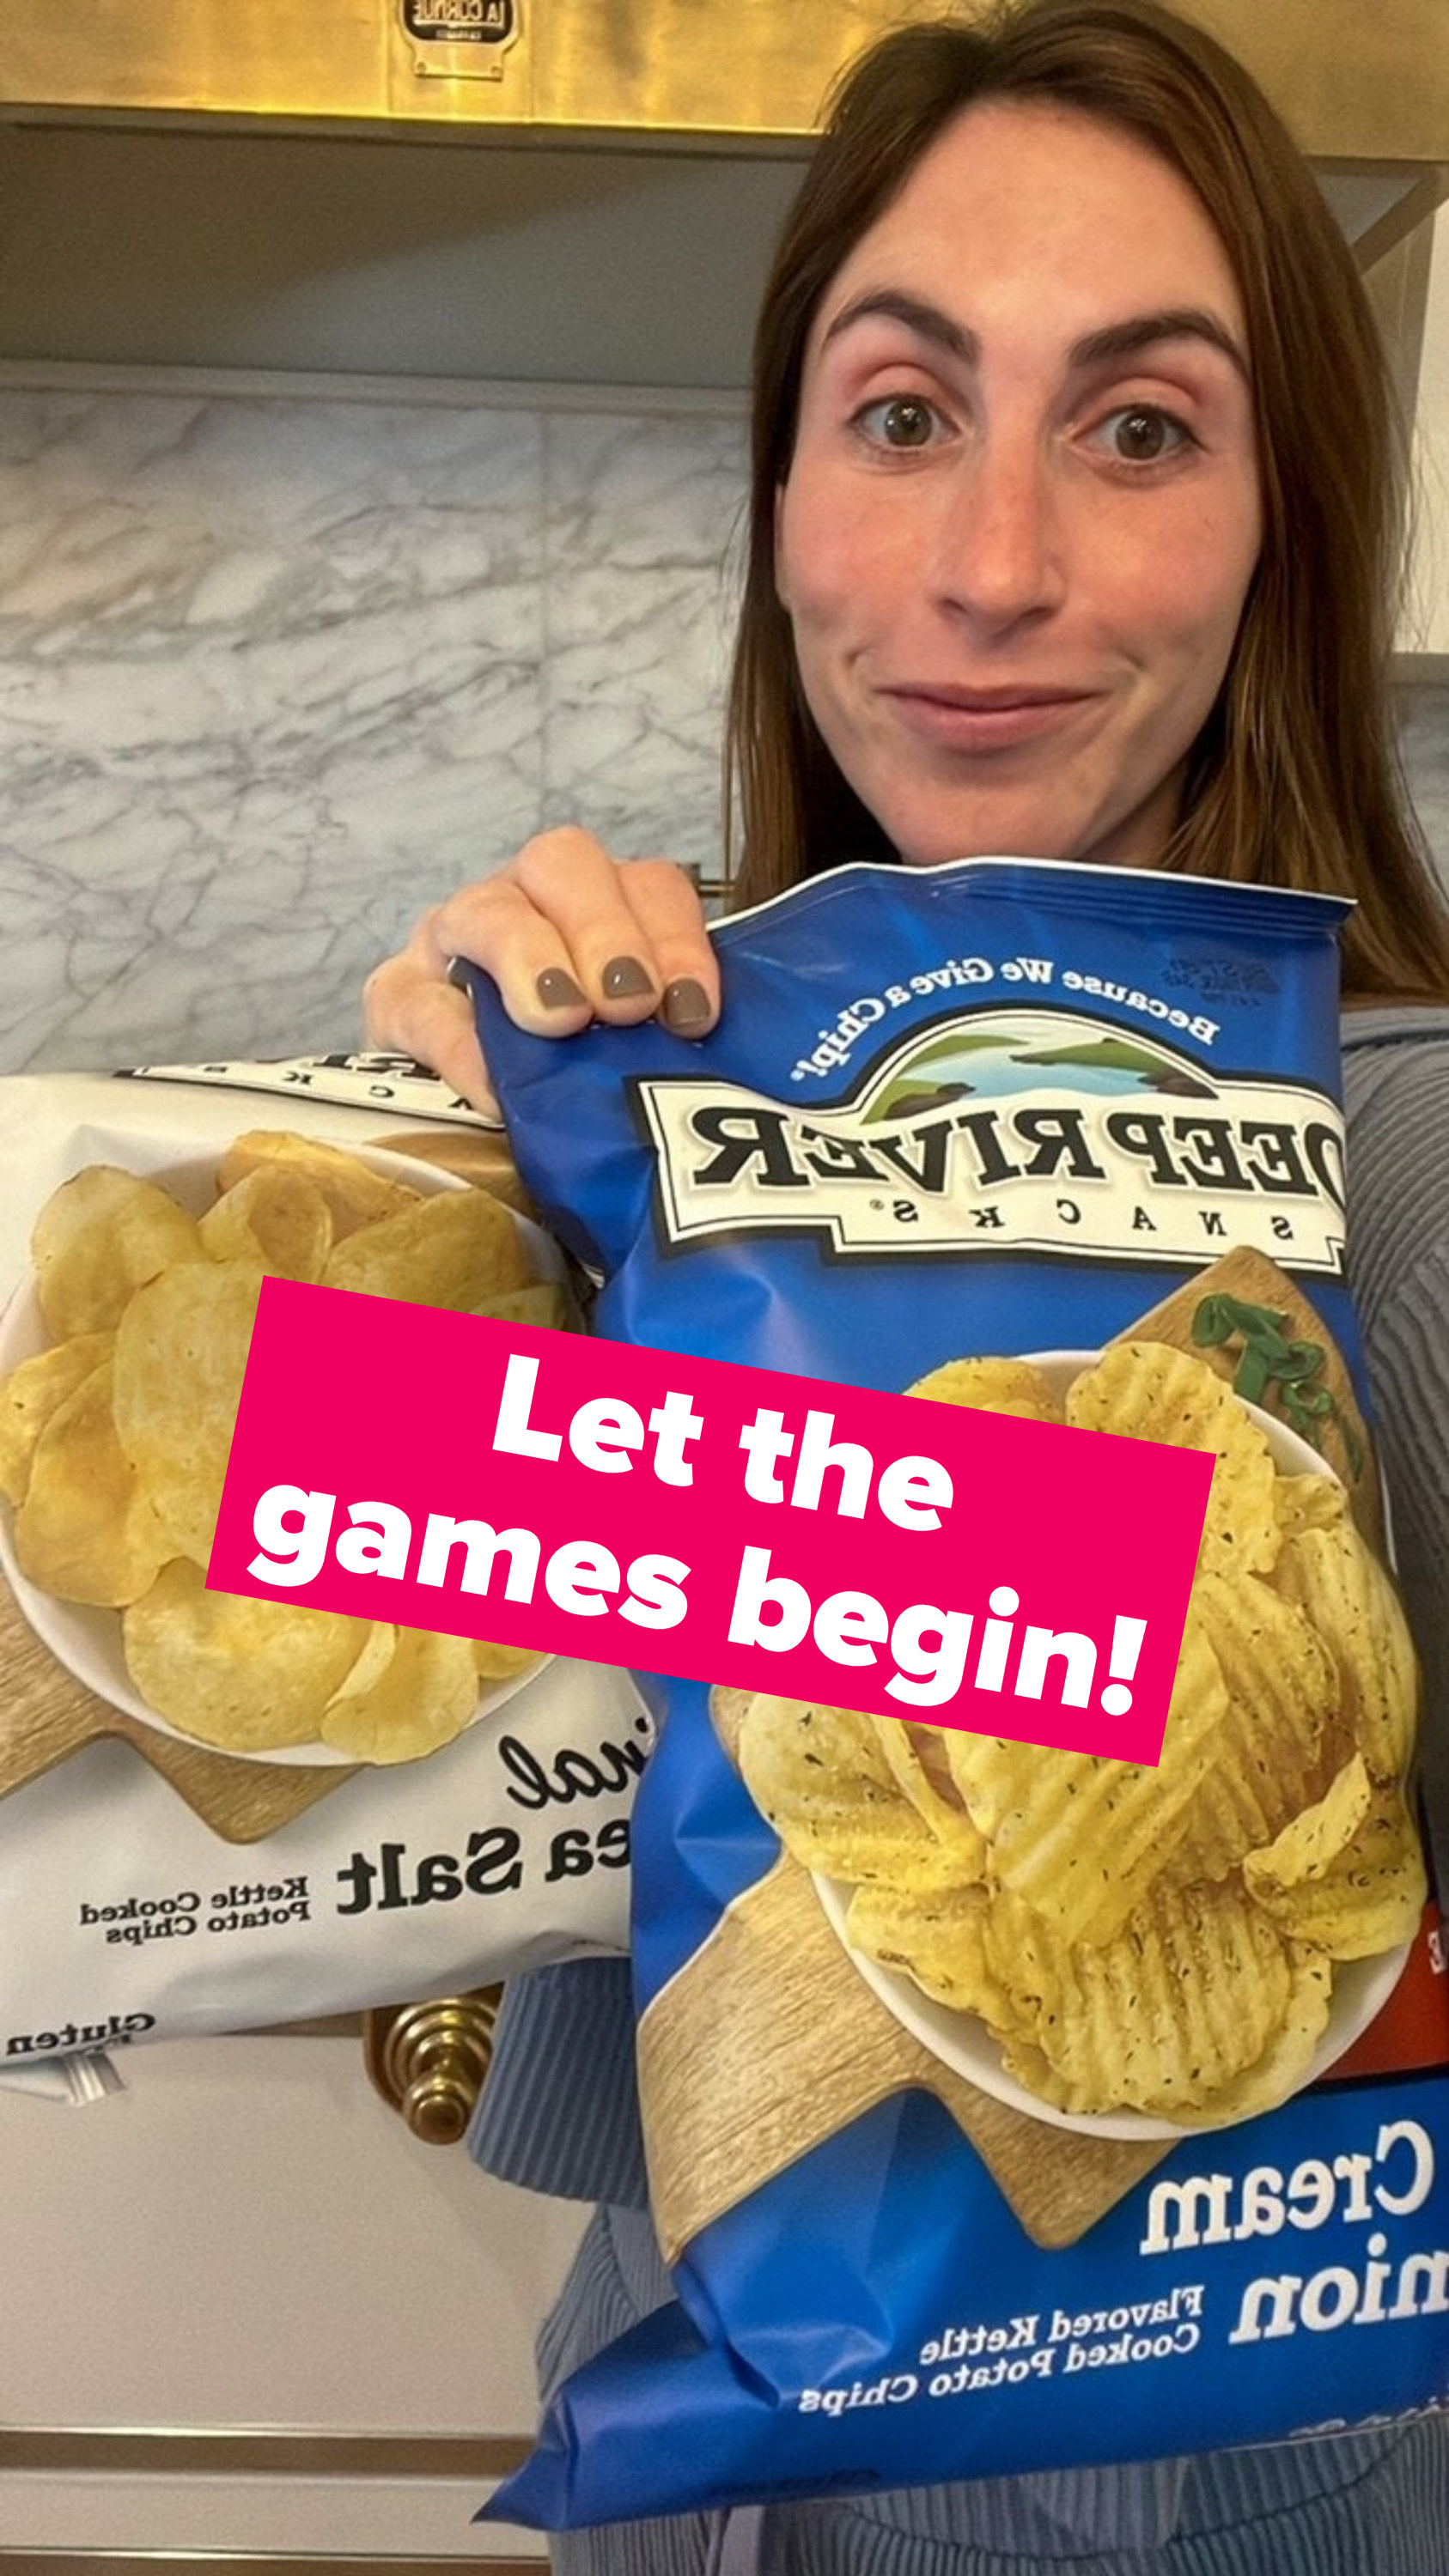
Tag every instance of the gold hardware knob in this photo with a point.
(429, 2060)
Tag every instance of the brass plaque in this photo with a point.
(460, 39)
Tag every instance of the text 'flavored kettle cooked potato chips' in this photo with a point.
(1013, 2108)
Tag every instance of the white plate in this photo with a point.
(1361, 1987)
(88, 1641)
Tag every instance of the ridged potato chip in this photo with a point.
(1281, 1692)
(1083, 1838)
(1183, 2001)
(1354, 1607)
(939, 1940)
(820, 1778)
(1369, 1898)
(1287, 2061)
(245, 1676)
(917, 1757)
(86, 1529)
(1309, 1502)
(99, 1237)
(32, 1393)
(1311, 1841)
(1149, 1391)
(456, 1252)
(1016, 1387)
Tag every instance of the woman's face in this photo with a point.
(1023, 512)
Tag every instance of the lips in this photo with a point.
(995, 701)
(984, 719)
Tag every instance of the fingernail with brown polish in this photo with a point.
(685, 1008)
(557, 990)
(624, 976)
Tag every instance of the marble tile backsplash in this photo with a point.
(276, 670)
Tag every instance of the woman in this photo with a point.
(1073, 536)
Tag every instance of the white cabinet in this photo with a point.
(246, 2311)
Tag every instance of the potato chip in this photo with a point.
(99, 1237)
(181, 1355)
(821, 1779)
(397, 1708)
(32, 1393)
(245, 1676)
(1149, 1391)
(275, 1216)
(1281, 1690)
(456, 1251)
(86, 1530)
(1181, 2002)
(1287, 2061)
(1080, 1837)
(374, 1656)
(1370, 1896)
(1354, 1607)
(1312, 1840)
(940, 1941)
(916, 1756)
(1309, 1502)
(727, 1707)
(494, 1664)
(1016, 1387)
(355, 1194)
(545, 1305)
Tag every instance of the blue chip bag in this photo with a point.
(970, 2158)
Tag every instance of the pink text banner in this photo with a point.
(695, 1517)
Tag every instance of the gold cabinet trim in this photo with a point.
(743, 74)
(215, 2452)
(131, 2562)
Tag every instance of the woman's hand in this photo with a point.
(569, 935)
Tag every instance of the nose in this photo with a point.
(999, 541)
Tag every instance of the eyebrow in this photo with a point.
(1114, 340)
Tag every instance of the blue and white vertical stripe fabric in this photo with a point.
(1363, 2504)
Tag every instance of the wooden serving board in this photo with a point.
(46, 1715)
(1259, 1282)
(769, 2041)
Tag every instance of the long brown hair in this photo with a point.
(1294, 780)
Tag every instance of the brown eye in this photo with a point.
(1143, 436)
(906, 422)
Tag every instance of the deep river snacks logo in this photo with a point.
(1012, 1131)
